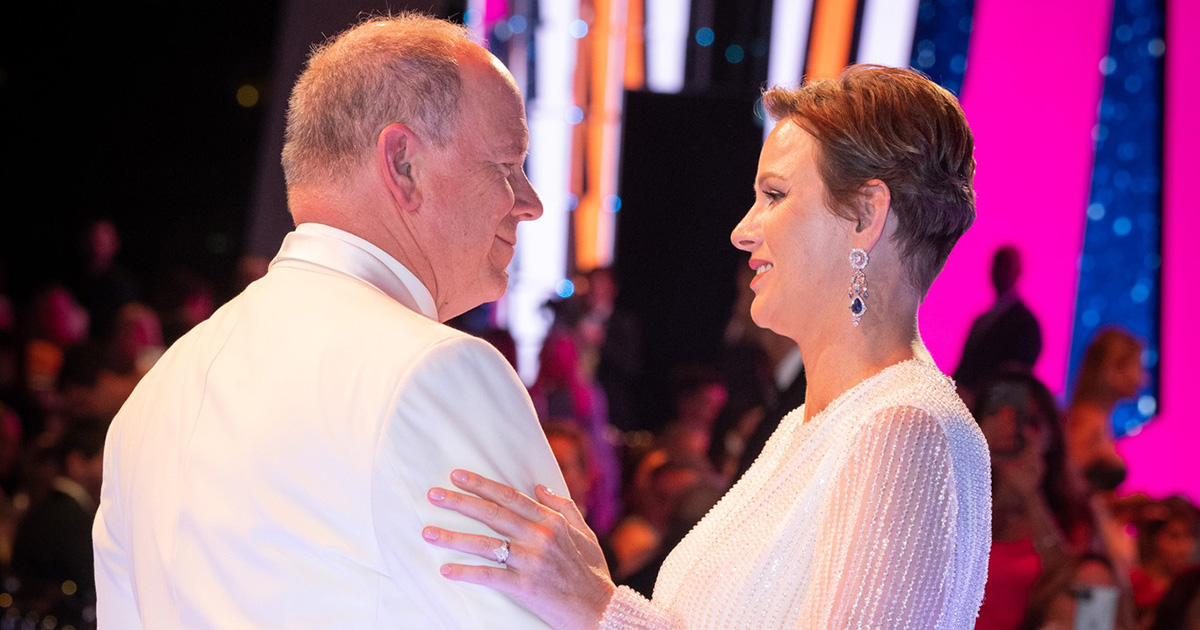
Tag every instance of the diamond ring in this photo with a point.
(501, 553)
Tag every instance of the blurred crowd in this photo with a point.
(1067, 551)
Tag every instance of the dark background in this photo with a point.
(688, 165)
(128, 111)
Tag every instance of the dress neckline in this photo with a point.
(854, 389)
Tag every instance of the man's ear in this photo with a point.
(876, 200)
(395, 151)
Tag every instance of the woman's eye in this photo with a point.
(773, 195)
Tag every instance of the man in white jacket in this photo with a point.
(271, 470)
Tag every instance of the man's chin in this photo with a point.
(497, 287)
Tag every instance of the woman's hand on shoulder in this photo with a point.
(554, 565)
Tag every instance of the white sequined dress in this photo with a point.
(876, 513)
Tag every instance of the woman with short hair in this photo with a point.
(870, 506)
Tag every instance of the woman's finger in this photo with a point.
(499, 518)
(486, 547)
(498, 493)
(502, 580)
(562, 505)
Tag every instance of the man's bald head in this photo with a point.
(396, 69)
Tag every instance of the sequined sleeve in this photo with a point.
(884, 551)
(627, 610)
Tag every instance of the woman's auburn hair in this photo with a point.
(895, 125)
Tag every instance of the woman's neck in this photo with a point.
(835, 363)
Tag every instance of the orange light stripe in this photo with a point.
(587, 215)
(832, 32)
(635, 46)
(580, 89)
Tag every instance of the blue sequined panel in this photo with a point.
(1121, 259)
(940, 41)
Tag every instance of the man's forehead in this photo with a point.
(493, 137)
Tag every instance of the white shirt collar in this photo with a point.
(344, 252)
(73, 489)
(788, 368)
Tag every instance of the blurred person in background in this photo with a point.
(1111, 373)
(1034, 502)
(611, 349)
(53, 542)
(746, 369)
(1179, 608)
(96, 379)
(1079, 591)
(638, 537)
(563, 391)
(691, 504)
(1007, 335)
(137, 341)
(698, 395)
(1167, 545)
(101, 283)
(56, 323)
(571, 450)
(787, 393)
(87, 385)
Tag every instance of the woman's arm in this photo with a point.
(885, 553)
(555, 566)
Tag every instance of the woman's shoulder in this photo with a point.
(918, 399)
(915, 388)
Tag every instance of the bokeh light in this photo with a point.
(247, 96)
(735, 54)
(565, 288)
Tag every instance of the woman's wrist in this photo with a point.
(602, 604)
(627, 610)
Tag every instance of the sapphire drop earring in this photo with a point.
(858, 284)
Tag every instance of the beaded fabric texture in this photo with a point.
(876, 513)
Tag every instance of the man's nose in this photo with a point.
(527, 206)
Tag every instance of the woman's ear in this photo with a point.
(395, 152)
(876, 200)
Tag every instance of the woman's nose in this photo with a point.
(746, 236)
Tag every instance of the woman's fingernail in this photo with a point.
(430, 533)
(445, 570)
(437, 494)
(459, 476)
(548, 491)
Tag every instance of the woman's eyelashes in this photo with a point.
(773, 196)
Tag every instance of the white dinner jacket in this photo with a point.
(271, 470)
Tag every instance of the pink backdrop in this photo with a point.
(1031, 96)
(1163, 458)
